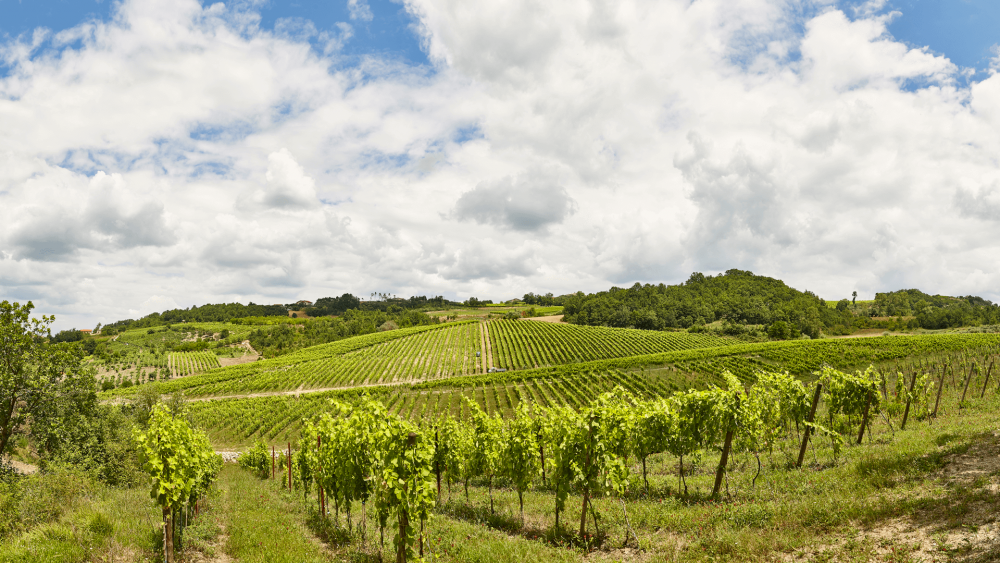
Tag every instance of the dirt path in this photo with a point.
(23, 468)
(552, 319)
(300, 391)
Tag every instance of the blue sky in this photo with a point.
(387, 34)
(963, 30)
(178, 156)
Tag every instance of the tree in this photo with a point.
(778, 330)
(843, 304)
(32, 371)
(854, 298)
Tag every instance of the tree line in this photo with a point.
(741, 298)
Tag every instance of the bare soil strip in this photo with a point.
(552, 319)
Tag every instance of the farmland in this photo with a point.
(278, 417)
(479, 388)
(434, 353)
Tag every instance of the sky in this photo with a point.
(167, 153)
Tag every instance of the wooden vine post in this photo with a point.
(168, 536)
(864, 415)
(437, 471)
(987, 382)
(322, 497)
(968, 380)
(909, 396)
(937, 401)
(289, 458)
(812, 415)
(722, 463)
(273, 459)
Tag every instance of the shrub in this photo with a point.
(256, 460)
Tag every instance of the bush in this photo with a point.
(43, 497)
(257, 460)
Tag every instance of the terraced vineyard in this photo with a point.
(150, 349)
(431, 353)
(187, 363)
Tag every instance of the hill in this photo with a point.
(737, 296)
(433, 352)
(740, 299)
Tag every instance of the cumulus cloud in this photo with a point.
(287, 185)
(54, 224)
(182, 151)
(523, 204)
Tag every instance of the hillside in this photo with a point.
(279, 413)
(426, 353)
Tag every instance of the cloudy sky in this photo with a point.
(164, 153)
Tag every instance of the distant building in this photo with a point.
(304, 303)
(86, 330)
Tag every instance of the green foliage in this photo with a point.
(487, 445)
(179, 460)
(256, 460)
(362, 452)
(286, 338)
(775, 403)
(455, 448)
(39, 382)
(739, 296)
(847, 396)
(218, 313)
(520, 457)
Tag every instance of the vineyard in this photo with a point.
(432, 353)
(719, 464)
(279, 418)
(516, 441)
(147, 354)
(187, 363)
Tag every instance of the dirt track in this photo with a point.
(552, 319)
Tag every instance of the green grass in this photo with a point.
(263, 524)
(64, 516)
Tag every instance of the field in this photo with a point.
(149, 354)
(433, 353)
(924, 493)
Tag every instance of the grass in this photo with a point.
(263, 523)
(64, 516)
(909, 495)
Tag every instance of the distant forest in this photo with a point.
(740, 299)
(227, 312)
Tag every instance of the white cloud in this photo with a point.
(360, 10)
(182, 152)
